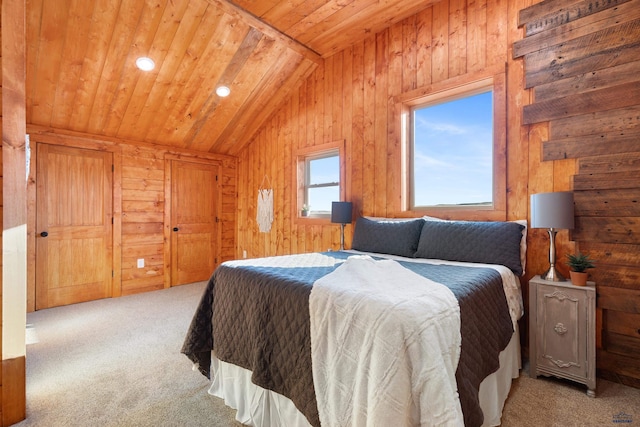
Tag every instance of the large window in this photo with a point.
(453, 151)
(455, 142)
(319, 178)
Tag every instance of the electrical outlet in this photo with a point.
(140, 262)
(244, 253)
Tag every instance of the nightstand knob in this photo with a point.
(560, 329)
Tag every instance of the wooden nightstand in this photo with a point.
(562, 323)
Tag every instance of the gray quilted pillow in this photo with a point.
(387, 237)
(472, 241)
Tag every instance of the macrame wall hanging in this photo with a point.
(264, 217)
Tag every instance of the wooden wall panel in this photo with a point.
(353, 96)
(143, 204)
(140, 230)
(582, 61)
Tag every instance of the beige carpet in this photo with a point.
(117, 362)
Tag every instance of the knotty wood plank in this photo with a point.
(609, 163)
(607, 181)
(609, 229)
(621, 344)
(616, 202)
(623, 323)
(409, 54)
(619, 11)
(606, 254)
(285, 14)
(261, 111)
(620, 96)
(103, 21)
(583, 54)
(618, 368)
(381, 124)
(617, 276)
(424, 41)
(395, 195)
(201, 85)
(457, 42)
(249, 47)
(477, 40)
(123, 33)
(548, 14)
(619, 121)
(593, 80)
(499, 17)
(625, 300)
(326, 16)
(327, 122)
(593, 145)
(49, 57)
(439, 42)
(173, 76)
(355, 154)
(542, 8)
(153, 34)
(270, 31)
(32, 34)
(256, 109)
(368, 165)
(142, 239)
(344, 32)
(75, 46)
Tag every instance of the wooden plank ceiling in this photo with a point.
(81, 73)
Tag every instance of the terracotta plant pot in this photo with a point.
(578, 278)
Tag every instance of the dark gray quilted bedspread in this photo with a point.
(258, 318)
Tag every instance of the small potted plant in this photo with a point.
(578, 265)
(305, 210)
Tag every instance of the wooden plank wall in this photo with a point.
(353, 98)
(582, 59)
(139, 204)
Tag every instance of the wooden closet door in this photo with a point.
(194, 215)
(74, 240)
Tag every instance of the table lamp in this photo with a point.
(341, 214)
(555, 212)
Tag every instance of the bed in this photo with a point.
(417, 325)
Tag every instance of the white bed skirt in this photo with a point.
(264, 408)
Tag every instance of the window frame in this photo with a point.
(301, 177)
(449, 90)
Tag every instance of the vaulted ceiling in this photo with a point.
(81, 73)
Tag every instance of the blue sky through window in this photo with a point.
(453, 152)
(322, 171)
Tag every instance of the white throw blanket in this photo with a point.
(385, 344)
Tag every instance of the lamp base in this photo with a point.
(553, 275)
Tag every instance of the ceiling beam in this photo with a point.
(267, 29)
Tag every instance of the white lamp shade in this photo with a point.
(552, 210)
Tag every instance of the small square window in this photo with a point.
(319, 179)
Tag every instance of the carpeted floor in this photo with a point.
(117, 362)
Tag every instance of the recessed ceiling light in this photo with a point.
(223, 91)
(145, 64)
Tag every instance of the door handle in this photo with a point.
(44, 234)
(175, 229)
